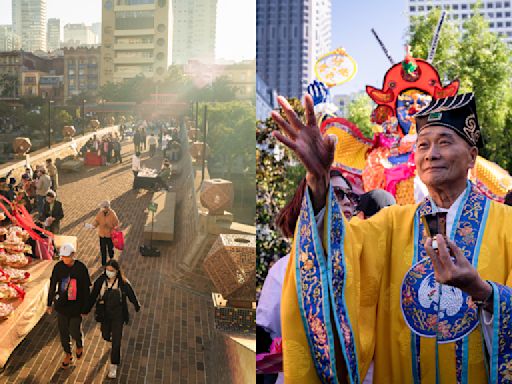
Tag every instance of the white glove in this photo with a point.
(89, 226)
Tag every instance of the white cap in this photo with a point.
(66, 250)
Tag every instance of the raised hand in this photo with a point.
(313, 150)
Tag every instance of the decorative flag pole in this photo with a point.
(435, 38)
(384, 49)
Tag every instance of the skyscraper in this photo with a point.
(76, 35)
(96, 29)
(289, 39)
(53, 34)
(135, 39)
(194, 31)
(498, 13)
(9, 41)
(29, 22)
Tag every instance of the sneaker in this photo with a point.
(112, 371)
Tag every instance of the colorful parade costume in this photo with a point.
(376, 282)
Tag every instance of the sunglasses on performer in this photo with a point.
(341, 193)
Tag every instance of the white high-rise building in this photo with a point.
(9, 41)
(53, 34)
(290, 37)
(498, 13)
(193, 33)
(29, 22)
(76, 35)
(96, 29)
(135, 40)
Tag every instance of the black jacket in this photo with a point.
(60, 283)
(56, 212)
(126, 291)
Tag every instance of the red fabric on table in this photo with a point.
(92, 158)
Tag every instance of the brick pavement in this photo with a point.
(166, 340)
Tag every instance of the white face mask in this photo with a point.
(110, 274)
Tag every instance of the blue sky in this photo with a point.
(236, 25)
(352, 22)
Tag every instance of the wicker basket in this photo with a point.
(233, 319)
(231, 265)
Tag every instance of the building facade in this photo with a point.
(76, 35)
(135, 39)
(53, 35)
(9, 41)
(290, 37)
(81, 71)
(29, 22)
(21, 73)
(498, 13)
(240, 76)
(96, 29)
(194, 28)
(266, 99)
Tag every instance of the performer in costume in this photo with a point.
(377, 289)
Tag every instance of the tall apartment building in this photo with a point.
(29, 22)
(290, 36)
(81, 70)
(136, 35)
(96, 29)
(194, 27)
(53, 34)
(9, 41)
(498, 13)
(76, 35)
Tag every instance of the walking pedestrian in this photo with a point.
(143, 137)
(135, 166)
(110, 290)
(136, 140)
(152, 142)
(106, 220)
(53, 173)
(116, 145)
(43, 184)
(69, 289)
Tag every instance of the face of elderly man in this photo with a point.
(442, 157)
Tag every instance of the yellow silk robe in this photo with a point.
(376, 255)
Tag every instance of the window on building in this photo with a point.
(491, 25)
(491, 15)
(490, 5)
(507, 14)
(412, 9)
(508, 24)
(464, 16)
(455, 6)
(135, 20)
(499, 24)
(429, 7)
(499, 14)
(506, 4)
(421, 8)
(499, 4)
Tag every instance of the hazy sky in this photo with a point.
(236, 20)
(352, 22)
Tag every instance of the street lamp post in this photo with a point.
(83, 115)
(50, 102)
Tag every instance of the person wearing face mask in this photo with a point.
(106, 220)
(112, 289)
(69, 294)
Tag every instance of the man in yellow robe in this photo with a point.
(423, 310)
